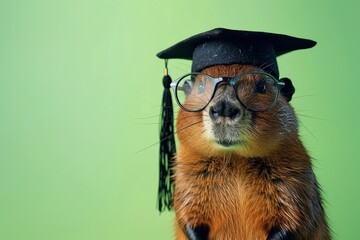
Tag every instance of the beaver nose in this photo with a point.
(224, 109)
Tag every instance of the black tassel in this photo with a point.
(167, 148)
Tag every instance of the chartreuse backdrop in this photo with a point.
(80, 92)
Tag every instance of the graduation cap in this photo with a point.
(215, 47)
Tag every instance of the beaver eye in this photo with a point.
(187, 87)
(260, 86)
(201, 87)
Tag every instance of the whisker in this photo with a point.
(181, 68)
(317, 118)
(192, 124)
(305, 110)
(304, 96)
(148, 123)
(199, 98)
(266, 65)
(154, 116)
(175, 119)
(302, 124)
(141, 150)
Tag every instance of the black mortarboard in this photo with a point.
(216, 47)
(225, 46)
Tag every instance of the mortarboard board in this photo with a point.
(216, 47)
(225, 46)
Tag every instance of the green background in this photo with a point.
(80, 91)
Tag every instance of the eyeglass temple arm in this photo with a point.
(181, 88)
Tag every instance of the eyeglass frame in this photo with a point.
(232, 81)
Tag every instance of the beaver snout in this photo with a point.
(226, 121)
(224, 109)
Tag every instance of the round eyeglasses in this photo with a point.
(256, 90)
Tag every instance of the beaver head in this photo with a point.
(242, 116)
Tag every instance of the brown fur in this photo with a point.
(244, 193)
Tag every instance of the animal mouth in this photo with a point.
(228, 142)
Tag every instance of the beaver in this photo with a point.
(241, 170)
(241, 174)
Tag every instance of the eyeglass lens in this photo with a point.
(256, 91)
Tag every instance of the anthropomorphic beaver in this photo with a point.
(241, 171)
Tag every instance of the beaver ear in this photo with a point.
(288, 90)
